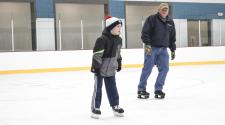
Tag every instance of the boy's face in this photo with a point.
(116, 30)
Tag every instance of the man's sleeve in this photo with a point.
(172, 45)
(146, 31)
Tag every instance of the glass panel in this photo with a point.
(93, 24)
(5, 28)
(205, 33)
(135, 17)
(193, 33)
(70, 27)
(72, 18)
(16, 15)
(22, 27)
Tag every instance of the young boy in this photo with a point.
(105, 62)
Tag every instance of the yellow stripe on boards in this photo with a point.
(27, 71)
(180, 64)
(44, 70)
(197, 63)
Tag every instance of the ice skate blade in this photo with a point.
(118, 114)
(159, 97)
(95, 116)
(143, 97)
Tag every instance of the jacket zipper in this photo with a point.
(111, 55)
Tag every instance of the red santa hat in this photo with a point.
(111, 22)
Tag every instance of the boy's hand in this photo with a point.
(95, 71)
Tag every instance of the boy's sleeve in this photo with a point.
(119, 58)
(98, 52)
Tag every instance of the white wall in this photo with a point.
(62, 59)
(122, 35)
(45, 33)
(218, 31)
(181, 32)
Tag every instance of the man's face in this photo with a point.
(116, 30)
(164, 12)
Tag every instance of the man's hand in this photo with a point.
(173, 55)
(148, 49)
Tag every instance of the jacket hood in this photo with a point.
(108, 33)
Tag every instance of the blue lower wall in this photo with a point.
(197, 10)
(117, 8)
(44, 8)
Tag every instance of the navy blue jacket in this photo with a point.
(159, 33)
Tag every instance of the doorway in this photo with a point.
(199, 33)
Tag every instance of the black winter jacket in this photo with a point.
(157, 33)
(106, 54)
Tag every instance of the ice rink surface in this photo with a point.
(195, 95)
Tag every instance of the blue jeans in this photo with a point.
(160, 58)
(111, 90)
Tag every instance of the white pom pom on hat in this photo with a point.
(111, 22)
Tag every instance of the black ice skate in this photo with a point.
(159, 94)
(143, 95)
(117, 111)
(96, 113)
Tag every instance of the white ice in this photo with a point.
(195, 95)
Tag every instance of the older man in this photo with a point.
(158, 34)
